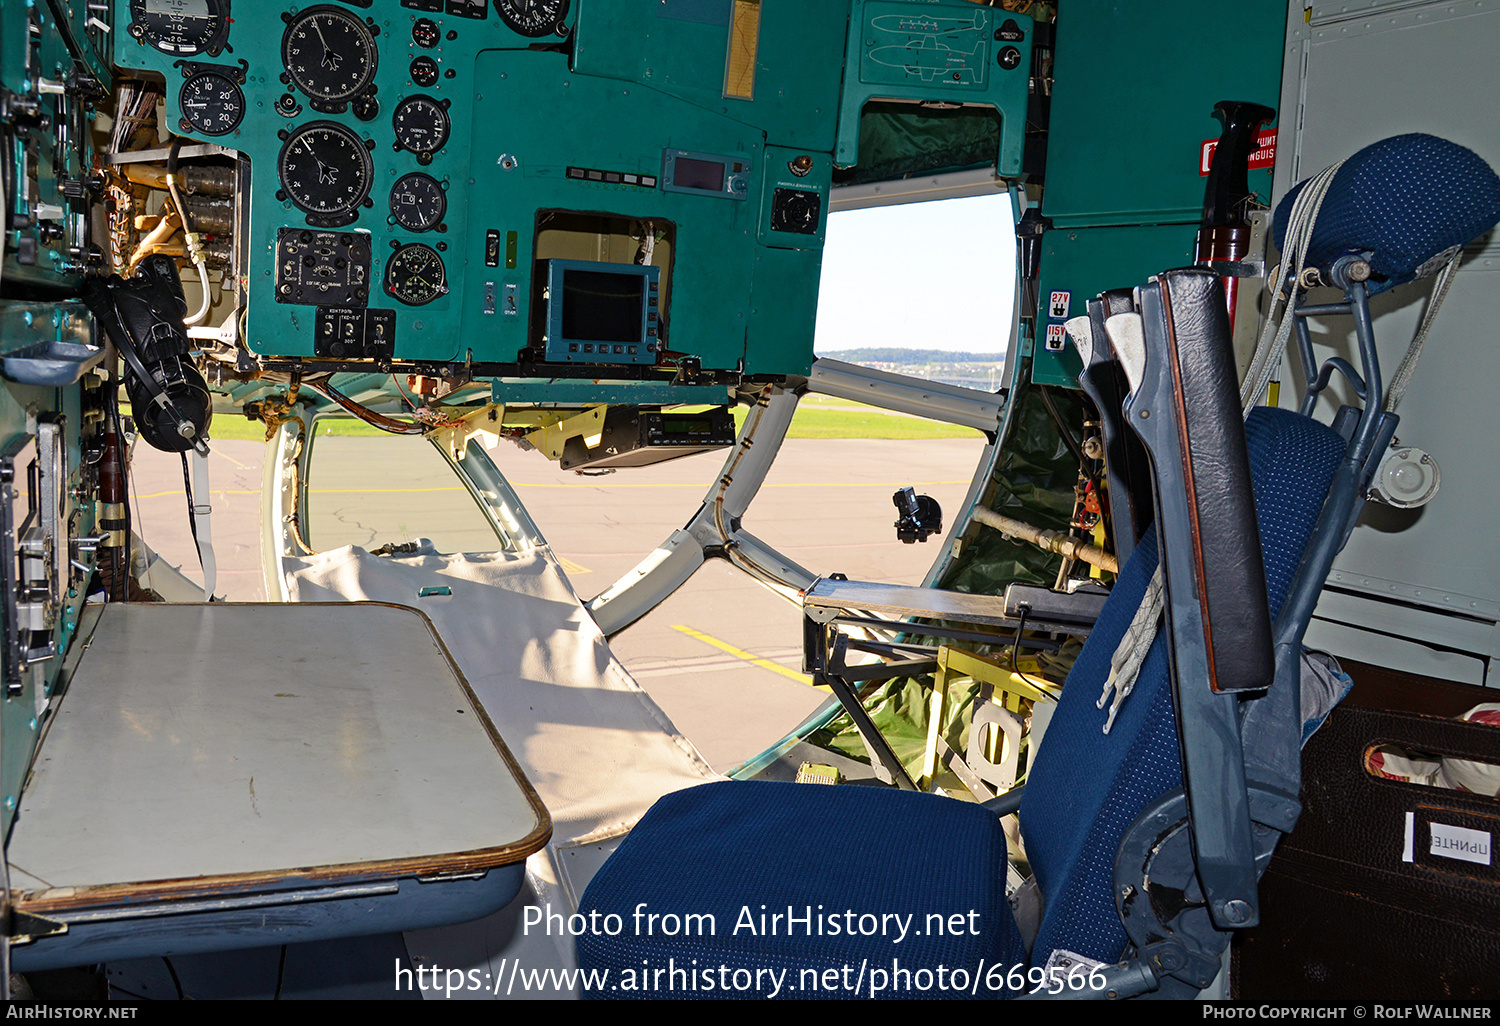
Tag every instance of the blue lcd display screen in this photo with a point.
(601, 313)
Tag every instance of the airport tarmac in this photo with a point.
(722, 655)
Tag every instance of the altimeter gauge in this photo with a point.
(325, 170)
(328, 53)
(211, 103)
(534, 18)
(415, 275)
(181, 27)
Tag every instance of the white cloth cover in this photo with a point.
(595, 746)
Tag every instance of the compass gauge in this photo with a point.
(325, 170)
(329, 53)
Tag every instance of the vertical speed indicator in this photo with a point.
(421, 124)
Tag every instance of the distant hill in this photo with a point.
(893, 355)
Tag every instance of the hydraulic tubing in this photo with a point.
(1052, 541)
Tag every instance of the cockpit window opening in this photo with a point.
(919, 279)
(372, 491)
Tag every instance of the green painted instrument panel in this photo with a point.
(683, 48)
(1134, 102)
(1078, 264)
(713, 268)
(535, 144)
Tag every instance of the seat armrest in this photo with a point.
(1210, 536)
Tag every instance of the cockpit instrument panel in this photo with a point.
(471, 142)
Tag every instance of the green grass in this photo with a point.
(820, 416)
(234, 428)
(817, 416)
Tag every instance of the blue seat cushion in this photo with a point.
(814, 892)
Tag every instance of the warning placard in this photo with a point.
(1263, 157)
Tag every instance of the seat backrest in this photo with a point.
(1087, 787)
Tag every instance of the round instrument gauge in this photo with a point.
(414, 275)
(329, 53)
(180, 27)
(422, 126)
(425, 33)
(424, 72)
(211, 103)
(418, 202)
(534, 18)
(326, 171)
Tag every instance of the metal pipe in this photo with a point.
(163, 231)
(1052, 541)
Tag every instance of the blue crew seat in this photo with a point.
(1146, 835)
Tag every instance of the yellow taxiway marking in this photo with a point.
(571, 567)
(749, 657)
(706, 484)
(231, 459)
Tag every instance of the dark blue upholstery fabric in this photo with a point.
(739, 850)
(1406, 199)
(1087, 787)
